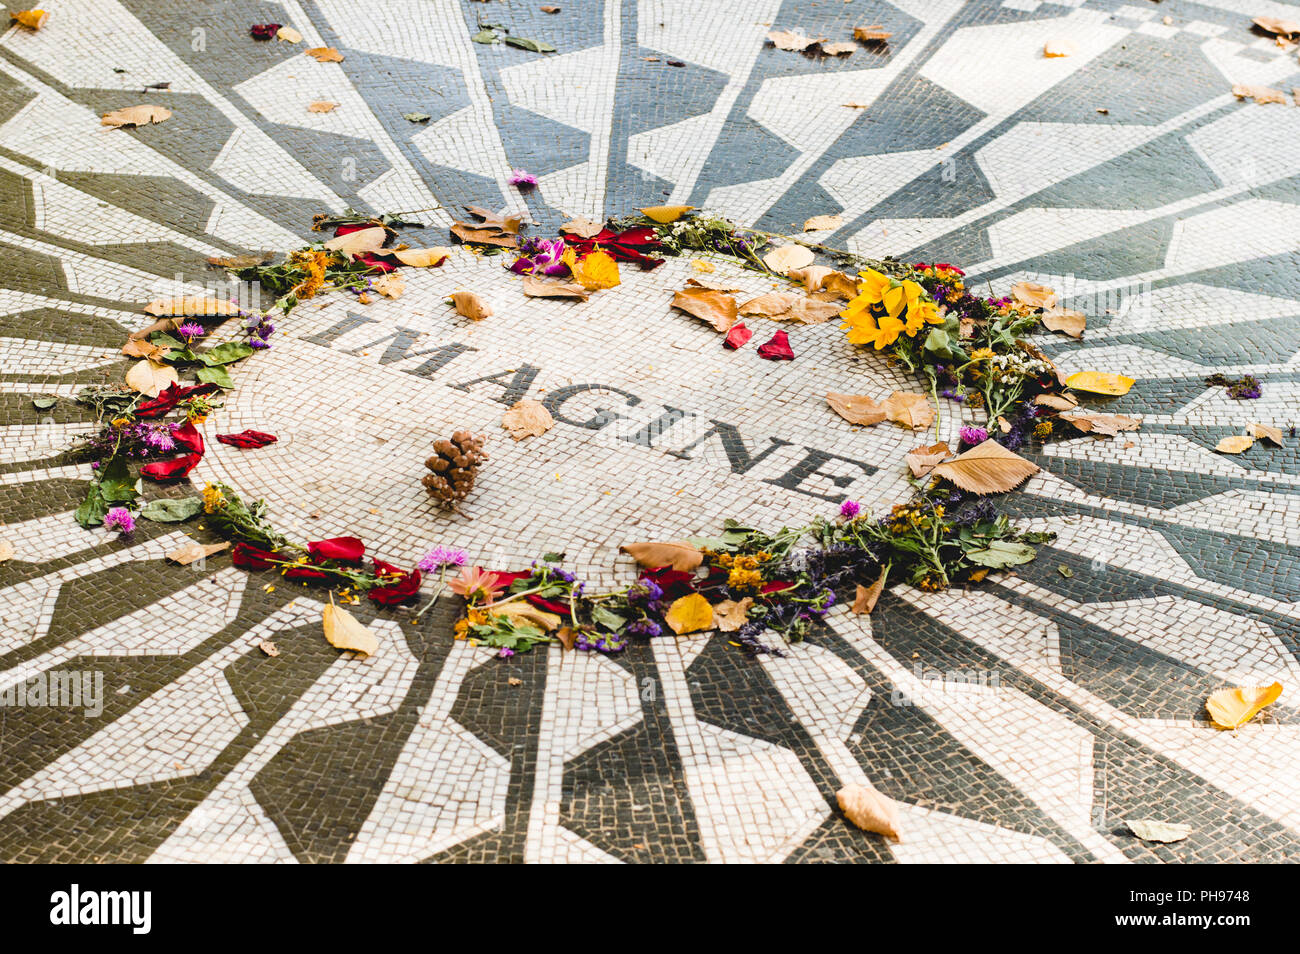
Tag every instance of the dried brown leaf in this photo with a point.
(819, 223)
(538, 288)
(240, 261)
(790, 306)
(135, 116)
(422, 257)
(582, 227)
(196, 551)
(871, 34)
(7, 551)
(151, 378)
(1103, 425)
(711, 306)
(470, 305)
(1033, 295)
(922, 460)
(288, 35)
(527, 418)
(1260, 94)
(856, 408)
(730, 615)
(345, 631)
(869, 810)
(1059, 402)
(839, 49)
(987, 468)
(1278, 26)
(361, 242)
(192, 306)
(865, 598)
(476, 234)
(821, 278)
(1065, 321)
(793, 42)
(909, 409)
(140, 348)
(32, 19)
(322, 106)
(1264, 432)
(390, 285)
(324, 54)
(678, 554)
(786, 257)
(1234, 445)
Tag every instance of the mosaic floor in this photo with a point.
(1023, 721)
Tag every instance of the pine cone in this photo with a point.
(454, 464)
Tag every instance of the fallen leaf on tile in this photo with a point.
(786, 257)
(1103, 425)
(135, 116)
(689, 614)
(514, 681)
(866, 597)
(140, 348)
(288, 35)
(790, 306)
(1234, 445)
(32, 19)
(353, 245)
(1264, 432)
(922, 460)
(345, 631)
(909, 409)
(151, 378)
(856, 408)
(268, 647)
(730, 615)
(422, 257)
(194, 306)
(663, 214)
(1065, 321)
(987, 468)
(1033, 295)
(390, 285)
(869, 810)
(470, 305)
(838, 49)
(1230, 708)
(1278, 26)
(6, 551)
(714, 307)
(1260, 94)
(528, 613)
(678, 554)
(325, 54)
(1060, 46)
(819, 222)
(1059, 402)
(821, 278)
(793, 42)
(871, 34)
(1099, 382)
(321, 106)
(538, 288)
(527, 418)
(1148, 829)
(195, 551)
(582, 227)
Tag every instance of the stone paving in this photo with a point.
(1022, 721)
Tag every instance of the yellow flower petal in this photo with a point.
(1230, 708)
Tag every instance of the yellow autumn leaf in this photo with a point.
(1235, 444)
(422, 257)
(1099, 382)
(1230, 708)
(689, 614)
(32, 19)
(325, 54)
(345, 631)
(151, 378)
(663, 214)
(596, 270)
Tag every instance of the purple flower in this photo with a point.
(644, 592)
(644, 627)
(119, 519)
(440, 557)
(973, 435)
(190, 330)
(850, 509)
(522, 179)
(258, 343)
(504, 653)
(541, 256)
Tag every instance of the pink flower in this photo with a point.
(119, 519)
(476, 583)
(522, 179)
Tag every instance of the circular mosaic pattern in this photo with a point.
(1021, 721)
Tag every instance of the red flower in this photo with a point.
(629, 246)
(251, 557)
(399, 586)
(173, 469)
(264, 31)
(737, 336)
(167, 401)
(343, 549)
(777, 349)
(304, 572)
(248, 439)
(377, 263)
(776, 586)
(674, 583)
(188, 437)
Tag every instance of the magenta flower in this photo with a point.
(190, 330)
(850, 509)
(974, 435)
(440, 557)
(505, 653)
(541, 256)
(522, 179)
(119, 519)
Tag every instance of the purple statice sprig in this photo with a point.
(440, 558)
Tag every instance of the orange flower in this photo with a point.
(476, 583)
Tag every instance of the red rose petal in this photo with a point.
(248, 439)
(777, 349)
(173, 469)
(343, 549)
(737, 336)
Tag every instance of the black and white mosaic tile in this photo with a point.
(1021, 722)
